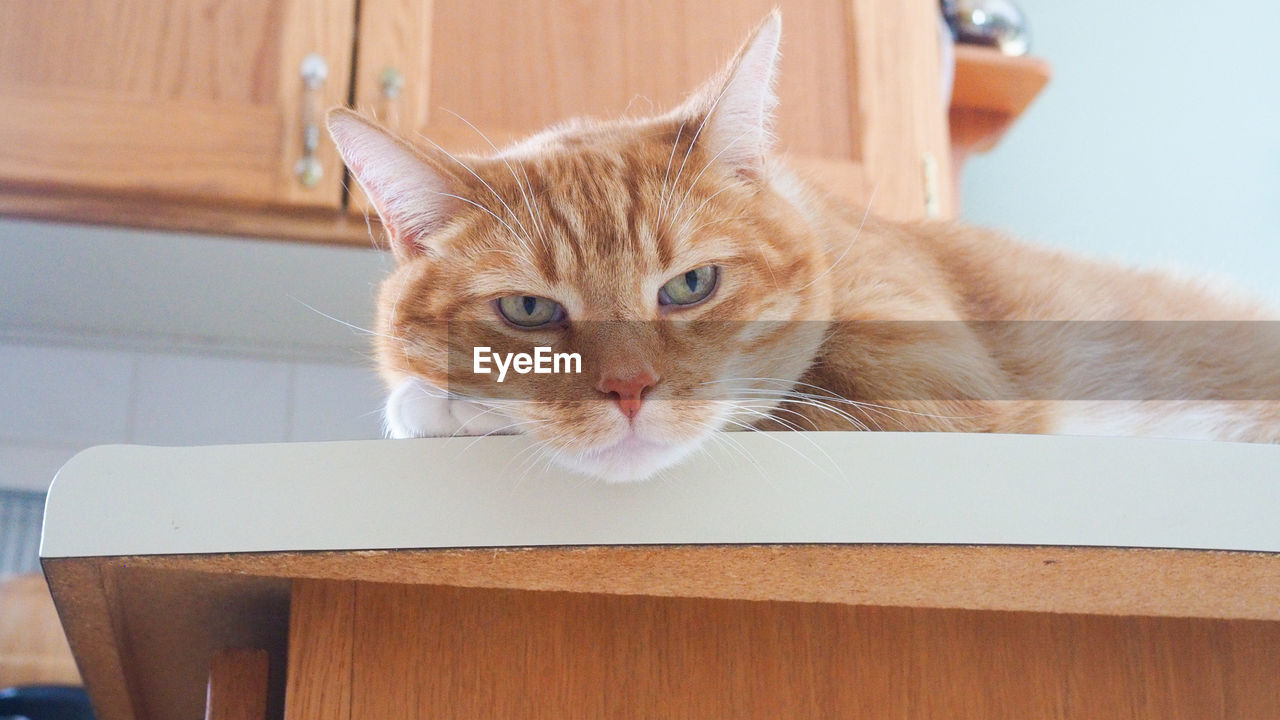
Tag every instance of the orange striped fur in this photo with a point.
(598, 215)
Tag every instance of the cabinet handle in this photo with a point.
(314, 72)
(929, 167)
(390, 84)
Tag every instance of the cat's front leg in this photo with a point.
(416, 408)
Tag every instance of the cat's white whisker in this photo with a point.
(689, 191)
(662, 193)
(353, 326)
(814, 402)
(376, 411)
(765, 412)
(727, 439)
(687, 221)
(534, 207)
(717, 221)
(462, 428)
(491, 214)
(856, 234)
(489, 187)
(545, 454)
(533, 217)
(495, 431)
(518, 477)
(702, 448)
(751, 428)
(792, 426)
(777, 408)
(698, 133)
(831, 396)
(803, 401)
(531, 453)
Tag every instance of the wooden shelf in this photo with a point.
(991, 81)
(991, 90)
(159, 213)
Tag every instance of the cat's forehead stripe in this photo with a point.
(555, 222)
(591, 203)
(606, 208)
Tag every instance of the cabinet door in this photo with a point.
(861, 101)
(196, 100)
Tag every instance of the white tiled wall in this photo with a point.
(333, 402)
(58, 399)
(64, 396)
(184, 399)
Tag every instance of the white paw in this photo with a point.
(418, 409)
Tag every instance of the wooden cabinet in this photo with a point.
(860, 91)
(183, 101)
(678, 631)
(189, 114)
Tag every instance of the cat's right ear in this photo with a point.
(735, 109)
(412, 195)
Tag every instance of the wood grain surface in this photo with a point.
(162, 105)
(433, 652)
(189, 99)
(321, 635)
(1084, 580)
(92, 624)
(518, 67)
(860, 95)
(1091, 620)
(237, 687)
(987, 79)
(899, 115)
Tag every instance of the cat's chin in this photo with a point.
(415, 408)
(632, 459)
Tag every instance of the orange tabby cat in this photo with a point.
(705, 287)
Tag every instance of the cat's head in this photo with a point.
(664, 251)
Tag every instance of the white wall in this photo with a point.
(1156, 142)
(120, 336)
(60, 399)
(130, 286)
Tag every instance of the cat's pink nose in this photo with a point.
(628, 392)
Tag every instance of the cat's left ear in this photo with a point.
(736, 108)
(408, 186)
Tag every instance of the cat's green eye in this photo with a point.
(530, 311)
(689, 288)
